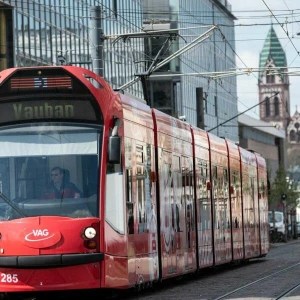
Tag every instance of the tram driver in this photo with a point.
(60, 187)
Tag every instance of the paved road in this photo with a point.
(211, 285)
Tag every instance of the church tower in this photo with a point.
(273, 79)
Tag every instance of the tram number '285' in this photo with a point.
(9, 278)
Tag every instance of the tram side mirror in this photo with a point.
(114, 144)
(114, 150)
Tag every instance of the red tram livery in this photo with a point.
(156, 197)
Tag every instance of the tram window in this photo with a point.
(214, 173)
(225, 175)
(176, 163)
(129, 205)
(130, 218)
(141, 199)
(128, 166)
(252, 199)
(4, 180)
(225, 181)
(247, 201)
(262, 188)
(215, 197)
(215, 181)
(236, 180)
(128, 188)
(204, 208)
(226, 198)
(31, 178)
(236, 200)
(27, 156)
(129, 185)
(175, 197)
(140, 188)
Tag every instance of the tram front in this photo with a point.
(51, 132)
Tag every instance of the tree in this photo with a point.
(284, 193)
(282, 186)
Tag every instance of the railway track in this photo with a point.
(261, 284)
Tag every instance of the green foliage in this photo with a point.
(282, 186)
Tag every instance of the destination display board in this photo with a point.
(49, 109)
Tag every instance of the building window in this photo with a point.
(270, 77)
(297, 134)
(276, 106)
(162, 97)
(200, 107)
(152, 48)
(115, 8)
(216, 106)
(292, 136)
(267, 104)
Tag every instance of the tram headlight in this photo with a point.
(90, 232)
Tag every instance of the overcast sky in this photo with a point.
(250, 40)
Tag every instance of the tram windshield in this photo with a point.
(49, 170)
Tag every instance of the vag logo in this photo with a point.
(37, 235)
(40, 236)
(40, 232)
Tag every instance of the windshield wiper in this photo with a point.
(12, 205)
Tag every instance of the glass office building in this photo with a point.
(40, 32)
(202, 100)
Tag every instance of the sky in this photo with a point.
(258, 16)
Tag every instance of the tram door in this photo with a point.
(204, 218)
(222, 225)
(169, 211)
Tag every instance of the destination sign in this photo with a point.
(69, 109)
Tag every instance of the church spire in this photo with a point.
(272, 79)
(272, 52)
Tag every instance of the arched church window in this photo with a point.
(297, 138)
(292, 136)
(276, 106)
(270, 77)
(267, 104)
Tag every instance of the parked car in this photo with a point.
(277, 218)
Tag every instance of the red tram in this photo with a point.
(157, 198)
